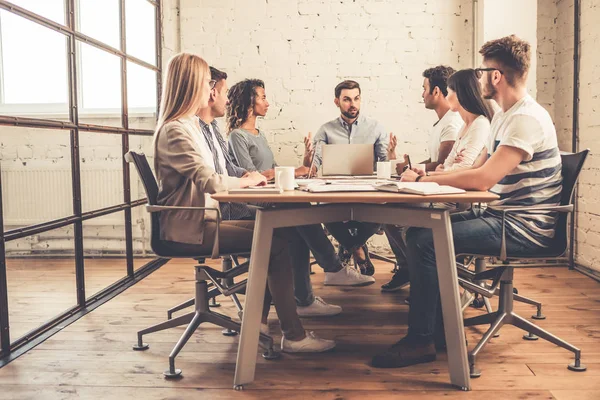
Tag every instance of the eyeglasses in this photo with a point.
(480, 71)
(212, 83)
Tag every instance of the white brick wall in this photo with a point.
(303, 48)
(588, 218)
(555, 91)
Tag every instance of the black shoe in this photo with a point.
(408, 351)
(344, 255)
(366, 266)
(399, 281)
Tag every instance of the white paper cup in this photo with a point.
(384, 170)
(284, 178)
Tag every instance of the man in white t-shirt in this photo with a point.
(441, 139)
(524, 169)
(445, 131)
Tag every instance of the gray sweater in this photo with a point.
(249, 151)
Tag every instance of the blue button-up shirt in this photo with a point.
(363, 131)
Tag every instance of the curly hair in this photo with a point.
(513, 56)
(242, 97)
(438, 76)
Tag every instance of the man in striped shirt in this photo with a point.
(524, 169)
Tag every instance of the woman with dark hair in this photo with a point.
(464, 97)
(247, 144)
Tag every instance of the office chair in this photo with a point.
(502, 276)
(203, 274)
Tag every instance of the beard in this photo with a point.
(489, 91)
(351, 113)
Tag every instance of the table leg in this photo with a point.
(451, 309)
(255, 295)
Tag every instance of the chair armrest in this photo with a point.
(508, 209)
(215, 251)
(153, 209)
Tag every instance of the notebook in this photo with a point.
(420, 188)
(266, 189)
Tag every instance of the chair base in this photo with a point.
(506, 316)
(202, 314)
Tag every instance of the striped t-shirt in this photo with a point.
(537, 180)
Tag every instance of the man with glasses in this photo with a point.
(441, 139)
(524, 169)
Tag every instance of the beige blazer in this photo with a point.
(186, 177)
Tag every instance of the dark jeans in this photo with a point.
(341, 232)
(396, 237)
(473, 232)
(319, 244)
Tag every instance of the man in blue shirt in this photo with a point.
(352, 128)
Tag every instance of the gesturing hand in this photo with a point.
(309, 150)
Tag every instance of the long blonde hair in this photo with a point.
(182, 92)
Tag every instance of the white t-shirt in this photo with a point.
(446, 129)
(537, 180)
(470, 143)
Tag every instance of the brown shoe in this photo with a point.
(408, 351)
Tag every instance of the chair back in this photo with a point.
(151, 188)
(572, 163)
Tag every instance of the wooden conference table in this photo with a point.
(377, 207)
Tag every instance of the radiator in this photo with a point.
(35, 195)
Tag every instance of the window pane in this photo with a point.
(141, 96)
(34, 69)
(100, 20)
(51, 9)
(104, 249)
(100, 87)
(36, 175)
(41, 279)
(101, 170)
(140, 27)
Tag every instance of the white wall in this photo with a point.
(506, 17)
(303, 48)
(556, 38)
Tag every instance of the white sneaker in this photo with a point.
(318, 308)
(310, 344)
(264, 328)
(347, 276)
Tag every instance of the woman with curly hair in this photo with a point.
(247, 144)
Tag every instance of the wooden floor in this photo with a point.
(93, 359)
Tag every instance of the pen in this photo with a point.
(408, 159)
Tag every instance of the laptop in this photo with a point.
(347, 159)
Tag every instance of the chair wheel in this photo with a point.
(238, 387)
(271, 355)
(474, 372)
(229, 332)
(172, 375)
(142, 347)
(478, 303)
(530, 336)
(538, 317)
(577, 368)
(214, 304)
(515, 290)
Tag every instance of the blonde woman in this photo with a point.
(187, 178)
